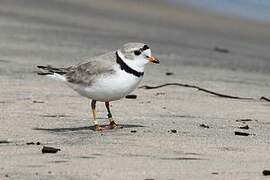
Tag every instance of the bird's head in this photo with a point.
(137, 55)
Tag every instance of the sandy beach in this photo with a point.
(171, 132)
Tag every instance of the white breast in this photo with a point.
(109, 88)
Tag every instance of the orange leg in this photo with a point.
(93, 106)
(112, 123)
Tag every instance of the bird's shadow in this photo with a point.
(84, 128)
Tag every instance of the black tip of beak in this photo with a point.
(156, 61)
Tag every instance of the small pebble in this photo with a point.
(47, 149)
(221, 50)
(131, 96)
(4, 141)
(6, 175)
(169, 73)
(160, 93)
(204, 126)
(237, 133)
(38, 101)
(243, 120)
(30, 143)
(133, 131)
(244, 127)
(266, 172)
(173, 131)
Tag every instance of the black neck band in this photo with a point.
(126, 68)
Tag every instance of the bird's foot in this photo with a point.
(99, 128)
(113, 125)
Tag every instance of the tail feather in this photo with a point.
(44, 73)
(53, 72)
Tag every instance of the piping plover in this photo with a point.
(107, 77)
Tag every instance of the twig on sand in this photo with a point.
(264, 98)
(201, 89)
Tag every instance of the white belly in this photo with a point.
(109, 88)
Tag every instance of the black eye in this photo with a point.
(137, 52)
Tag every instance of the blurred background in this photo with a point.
(225, 34)
(220, 45)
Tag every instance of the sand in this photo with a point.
(62, 33)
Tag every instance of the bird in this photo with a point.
(105, 78)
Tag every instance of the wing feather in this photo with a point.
(86, 73)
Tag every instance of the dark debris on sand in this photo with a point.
(4, 142)
(204, 126)
(169, 73)
(47, 149)
(32, 143)
(131, 96)
(244, 127)
(245, 120)
(221, 50)
(266, 172)
(238, 133)
(173, 131)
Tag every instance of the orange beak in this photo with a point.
(152, 59)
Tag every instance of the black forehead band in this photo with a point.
(145, 47)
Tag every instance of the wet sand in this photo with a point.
(229, 56)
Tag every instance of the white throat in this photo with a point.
(137, 65)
